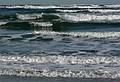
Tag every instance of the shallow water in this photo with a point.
(44, 79)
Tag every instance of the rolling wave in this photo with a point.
(82, 34)
(71, 17)
(74, 14)
(90, 18)
(58, 20)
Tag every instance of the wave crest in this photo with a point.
(90, 18)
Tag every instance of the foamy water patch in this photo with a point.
(72, 60)
(61, 66)
(104, 10)
(82, 34)
(68, 11)
(90, 18)
(29, 16)
(43, 24)
(3, 23)
(46, 72)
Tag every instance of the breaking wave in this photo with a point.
(3, 23)
(56, 21)
(29, 16)
(82, 34)
(51, 36)
(60, 16)
(91, 18)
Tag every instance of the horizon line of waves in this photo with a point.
(29, 7)
(89, 10)
(58, 7)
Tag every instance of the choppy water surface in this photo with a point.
(60, 41)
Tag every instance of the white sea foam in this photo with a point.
(17, 6)
(39, 7)
(28, 16)
(83, 34)
(104, 10)
(82, 60)
(43, 24)
(30, 6)
(90, 18)
(61, 66)
(86, 6)
(100, 73)
(3, 23)
(68, 11)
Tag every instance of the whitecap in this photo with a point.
(43, 24)
(3, 23)
(68, 11)
(90, 18)
(104, 10)
(82, 34)
(29, 16)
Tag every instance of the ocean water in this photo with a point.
(77, 41)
